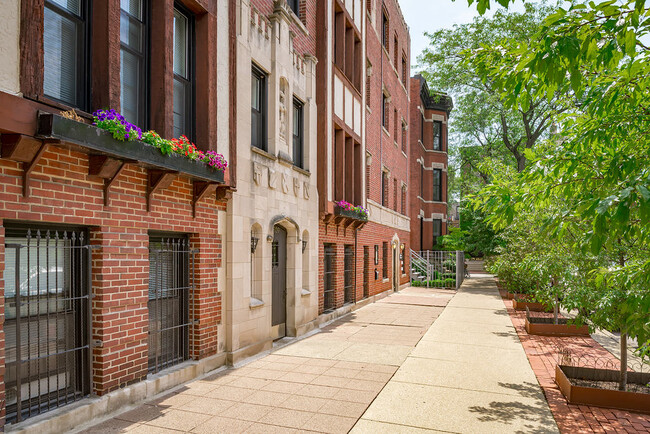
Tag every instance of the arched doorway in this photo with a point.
(279, 282)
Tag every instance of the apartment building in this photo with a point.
(127, 270)
(272, 220)
(428, 165)
(363, 51)
(111, 251)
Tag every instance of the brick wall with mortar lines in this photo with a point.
(303, 44)
(63, 193)
(385, 148)
(418, 154)
(370, 235)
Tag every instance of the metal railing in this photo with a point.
(437, 269)
(171, 287)
(47, 321)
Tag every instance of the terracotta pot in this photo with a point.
(632, 401)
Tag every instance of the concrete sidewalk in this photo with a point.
(322, 383)
(469, 373)
(404, 364)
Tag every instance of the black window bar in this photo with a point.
(48, 323)
(348, 274)
(384, 270)
(329, 301)
(171, 284)
(366, 271)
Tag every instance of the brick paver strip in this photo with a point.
(294, 388)
(543, 353)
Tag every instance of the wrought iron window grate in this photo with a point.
(47, 320)
(329, 283)
(171, 284)
(348, 274)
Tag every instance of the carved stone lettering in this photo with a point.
(285, 184)
(257, 174)
(273, 179)
(296, 186)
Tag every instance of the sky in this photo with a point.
(431, 15)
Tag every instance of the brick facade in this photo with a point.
(384, 107)
(348, 68)
(65, 191)
(423, 160)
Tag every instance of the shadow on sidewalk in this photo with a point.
(508, 410)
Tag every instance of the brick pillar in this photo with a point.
(120, 316)
(206, 307)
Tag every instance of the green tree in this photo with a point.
(599, 165)
(483, 127)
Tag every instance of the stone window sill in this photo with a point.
(255, 303)
(305, 292)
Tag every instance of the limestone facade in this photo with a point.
(272, 190)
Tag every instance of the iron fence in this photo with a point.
(329, 281)
(348, 274)
(171, 285)
(47, 320)
(437, 269)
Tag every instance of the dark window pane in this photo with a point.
(437, 185)
(181, 99)
(132, 67)
(295, 6)
(258, 109)
(183, 75)
(437, 135)
(181, 42)
(298, 135)
(64, 56)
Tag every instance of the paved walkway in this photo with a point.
(388, 367)
(469, 373)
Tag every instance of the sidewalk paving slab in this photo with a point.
(404, 364)
(468, 374)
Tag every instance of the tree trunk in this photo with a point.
(556, 310)
(622, 385)
(521, 163)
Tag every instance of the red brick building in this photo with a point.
(110, 251)
(364, 52)
(428, 165)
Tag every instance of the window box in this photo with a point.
(98, 141)
(350, 214)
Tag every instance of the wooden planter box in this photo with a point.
(631, 401)
(545, 327)
(506, 295)
(531, 305)
(99, 142)
(349, 214)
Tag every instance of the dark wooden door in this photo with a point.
(279, 266)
